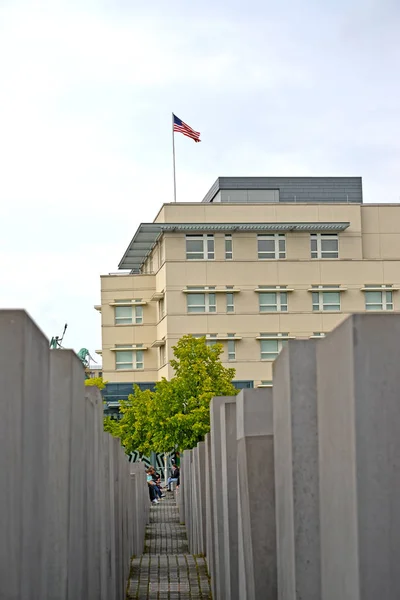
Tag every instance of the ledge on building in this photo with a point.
(327, 288)
(379, 288)
(157, 296)
(128, 303)
(273, 288)
(127, 347)
(192, 289)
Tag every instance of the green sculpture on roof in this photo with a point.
(56, 341)
(83, 354)
(85, 358)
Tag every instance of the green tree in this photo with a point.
(112, 426)
(135, 427)
(176, 415)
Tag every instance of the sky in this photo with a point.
(87, 89)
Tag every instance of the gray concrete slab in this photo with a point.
(141, 500)
(91, 583)
(256, 495)
(110, 504)
(297, 471)
(229, 497)
(216, 471)
(62, 364)
(180, 496)
(77, 481)
(100, 492)
(201, 491)
(119, 566)
(24, 398)
(194, 521)
(210, 550)
(358, 379)
(186, 486)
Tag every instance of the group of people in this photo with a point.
(156, 491)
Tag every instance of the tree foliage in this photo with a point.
(176, 415)
(96, 382)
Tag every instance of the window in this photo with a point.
(129, 359)
(325, 301)
(324, 245)
(378, 299)
(272, 345)
(128, 315)
(162, 355)
(200, 247)
(161, 308)
(273, 301)
(162, 251)
(318, 334)
(271, 246)
(228, 247)
(231, 347)
(230, 300)
(199, 302)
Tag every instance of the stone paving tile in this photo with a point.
(166, 570)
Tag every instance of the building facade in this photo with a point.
(258, 262)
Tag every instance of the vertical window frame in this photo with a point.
(230, 300)
(228, 246)
(231, 347)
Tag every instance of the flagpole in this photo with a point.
(173, 155)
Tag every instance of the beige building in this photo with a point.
(250, 267)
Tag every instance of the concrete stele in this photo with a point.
(77, 495)
(229, 497)
(186, 487)
(217, 498)
(296, 472)
(193, 505)
(201, 496)
(24, 456)
(256, 495)
(66, 380)
(358, 379)
(210, 550)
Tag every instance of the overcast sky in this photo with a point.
(298, 87)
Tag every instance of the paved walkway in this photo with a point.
(166, 570)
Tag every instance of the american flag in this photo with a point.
(181, 127)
